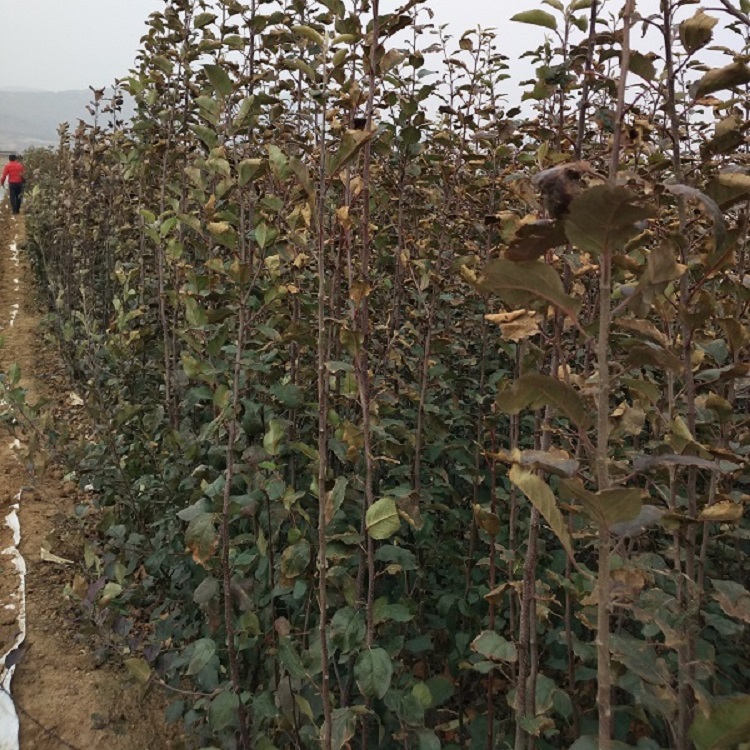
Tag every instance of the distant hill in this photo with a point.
(31, 118)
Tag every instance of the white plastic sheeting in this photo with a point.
(15, 307)
(8, 716)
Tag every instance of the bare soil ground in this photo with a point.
(64, 696)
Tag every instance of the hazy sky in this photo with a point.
(71, 44)
(68, 44)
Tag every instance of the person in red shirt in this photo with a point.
(14, 173)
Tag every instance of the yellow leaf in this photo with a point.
(722, 511)
(342, 213)
(516, 325)
(219, 227)
(359, 291)
(541, 496)
(487, 521)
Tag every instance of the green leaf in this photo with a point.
(343, 727)
(382, 519)
(304, 706)
(581, 22)
(373, 671)
(207, 135)
(296, 558)
(222, 713)
(640, 658)
(726, 724)
(203, 651)
(249, 169)
(696, 32)
(139, 669)
(340, 57)
(201, 537)
(494, 647)
(203, 19)
(309, 33)
(422, 693)
(191, 221)
(279, 162)
(516, 283)
(302, 174)
(728, 77)
(351, 143)
(288, 395)
(335, 498)
(441, 689)
(542, 498)
(294, 63)
(289, 657)
(14, 374)
(199, 507)
(194, 313)
(111, 591)
(410, 710)
(385, 612)
(210, 108)
(537, 18)
(219, 79)
(427, 740)
(273, 437)
(608, 506)
(262, 234)
(642, 65)
(348, 630)
(403, 559)
(336, 7)
(206, 590)
(534, 390)
(603, 218)
(579, 5)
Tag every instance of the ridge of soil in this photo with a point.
(64, 696)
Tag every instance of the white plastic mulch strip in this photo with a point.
(8, 715)
(15, 306)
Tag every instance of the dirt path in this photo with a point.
(64, 700)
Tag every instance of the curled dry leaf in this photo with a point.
(630, 419)
(554, 461)
(627, 583)
(560, 184)
(729, 77)
(534, 238)
(725, 511)
(709, 205)
(516, 325)
(733, 598)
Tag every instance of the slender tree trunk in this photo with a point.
(685, 541)
(322, 331)
(603, 585)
